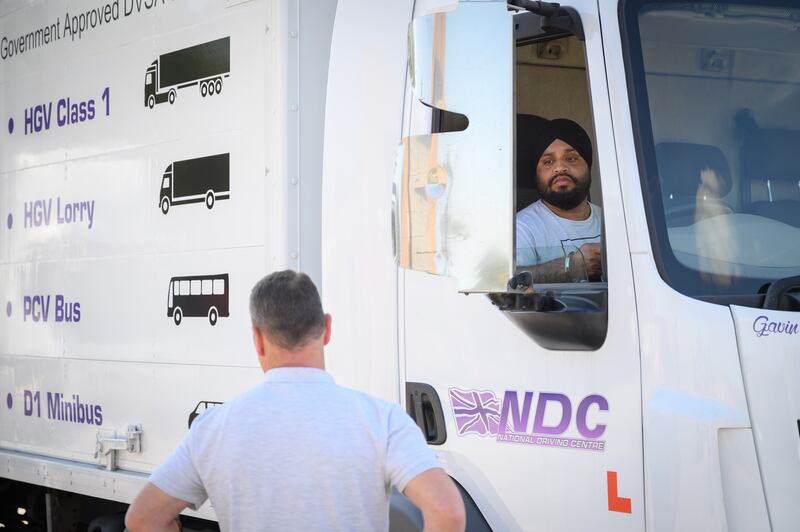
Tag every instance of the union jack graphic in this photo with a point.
(475, 411)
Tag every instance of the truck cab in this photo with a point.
(661, 367)
(151, 95)
(165, 195)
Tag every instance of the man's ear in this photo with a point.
(258, 342)
(326, 337)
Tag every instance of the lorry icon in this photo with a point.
(204, 65)
(205, 179)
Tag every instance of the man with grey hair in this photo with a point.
(298, 452)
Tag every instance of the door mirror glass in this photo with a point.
(456, 187)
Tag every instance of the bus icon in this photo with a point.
(198, 296)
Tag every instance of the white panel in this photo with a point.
(9, 6)
(316, 27)
(124, 353)
(745, 507)
(769, 344)
(117, 56)
(362, 130)
(158, 396)
(692, 387)
(123, 309)
(625, 146)
(121, 193)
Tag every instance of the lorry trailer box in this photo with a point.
(195, 62)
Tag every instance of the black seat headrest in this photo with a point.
(680, 164)
(770, 154)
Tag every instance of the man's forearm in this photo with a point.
(554, 271)
(443, 522)
(437, 497)
(145, 525)
(153, 509)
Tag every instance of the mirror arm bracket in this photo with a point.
(555, 18)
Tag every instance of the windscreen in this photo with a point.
(716, 88)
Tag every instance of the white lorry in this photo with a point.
(377, 149)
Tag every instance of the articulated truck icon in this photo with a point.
(204, 65)
(205, 179)
(198, 296)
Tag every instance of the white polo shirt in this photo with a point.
(298, 452)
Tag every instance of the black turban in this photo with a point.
(535, 134)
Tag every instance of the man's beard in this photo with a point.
(567, 199)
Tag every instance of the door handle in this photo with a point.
(425, 408)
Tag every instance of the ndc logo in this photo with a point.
(480, 412)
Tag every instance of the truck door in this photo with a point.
(707, 94)
(529, 390)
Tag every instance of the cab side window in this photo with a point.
(558, 222)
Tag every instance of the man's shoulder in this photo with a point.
(366, 399)
(532, 210)
(210, 416)
(217, 413)
(375, 411)
(529, 220)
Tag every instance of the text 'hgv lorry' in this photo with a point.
(382, 148)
